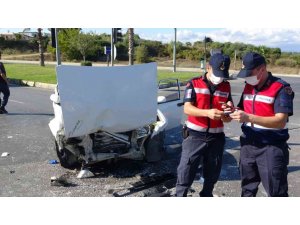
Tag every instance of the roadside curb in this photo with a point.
(32, 84)
(19, 82)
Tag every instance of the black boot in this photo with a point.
(2, 110)
(207, 190)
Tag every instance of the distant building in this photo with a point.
(27, 35)
(8, 36)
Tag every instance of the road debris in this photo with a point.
(61, 181)
(5, 154)
(146, 182)
(53, 161)
(85, 173)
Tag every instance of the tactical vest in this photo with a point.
(206, 100)
(260, 103)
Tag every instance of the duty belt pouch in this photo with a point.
(243, 140)
(185, 132)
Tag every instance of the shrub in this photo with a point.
(52, 51)
(296, 58)
(141, 54)
(9, 51)
(86, 63)
(286, 62)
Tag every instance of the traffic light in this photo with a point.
(117, 35)
(53, 41)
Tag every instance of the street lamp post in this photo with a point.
(174, 51)
(112, 47)
(204, 53)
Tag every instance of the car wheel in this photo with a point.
(154, 147)
(67, 158)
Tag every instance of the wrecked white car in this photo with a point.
(106, 113)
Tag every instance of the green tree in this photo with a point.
(179, 47)
(66, 39)
(84, 43)
(198, 44)
(275, 54)
(18, 36)
(263, 50)
(141, 54)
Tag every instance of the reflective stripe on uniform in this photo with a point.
(259, 98)
(202, 91)
(221, 94)
(262, 127)
(188, 93)
(264, 99)
(248, 97)
(203, 129)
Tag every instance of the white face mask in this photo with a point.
(216, 80)
(252, 80)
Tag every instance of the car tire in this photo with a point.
(154, 147)
(67, 158)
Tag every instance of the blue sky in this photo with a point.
(286, 39)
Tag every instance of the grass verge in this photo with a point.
(47, 74)
(31, 72)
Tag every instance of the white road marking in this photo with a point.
(16, 101)
(4, 154)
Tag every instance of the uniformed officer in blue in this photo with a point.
(266, 103)
(205, 139)
(4, 89)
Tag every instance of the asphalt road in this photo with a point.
(25, 135)
(24, 131)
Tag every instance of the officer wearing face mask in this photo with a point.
(266, 103)
(204, 139)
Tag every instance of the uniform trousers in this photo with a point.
(196, 147)
(266, 164)
(5, 90)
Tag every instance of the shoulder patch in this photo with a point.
(288, 90)
(284, 83)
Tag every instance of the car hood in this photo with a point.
(113, 99)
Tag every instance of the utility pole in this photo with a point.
(174, 51)
(205, 51)
(112, 47)
(234, 59)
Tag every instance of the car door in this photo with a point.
(169, 103)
